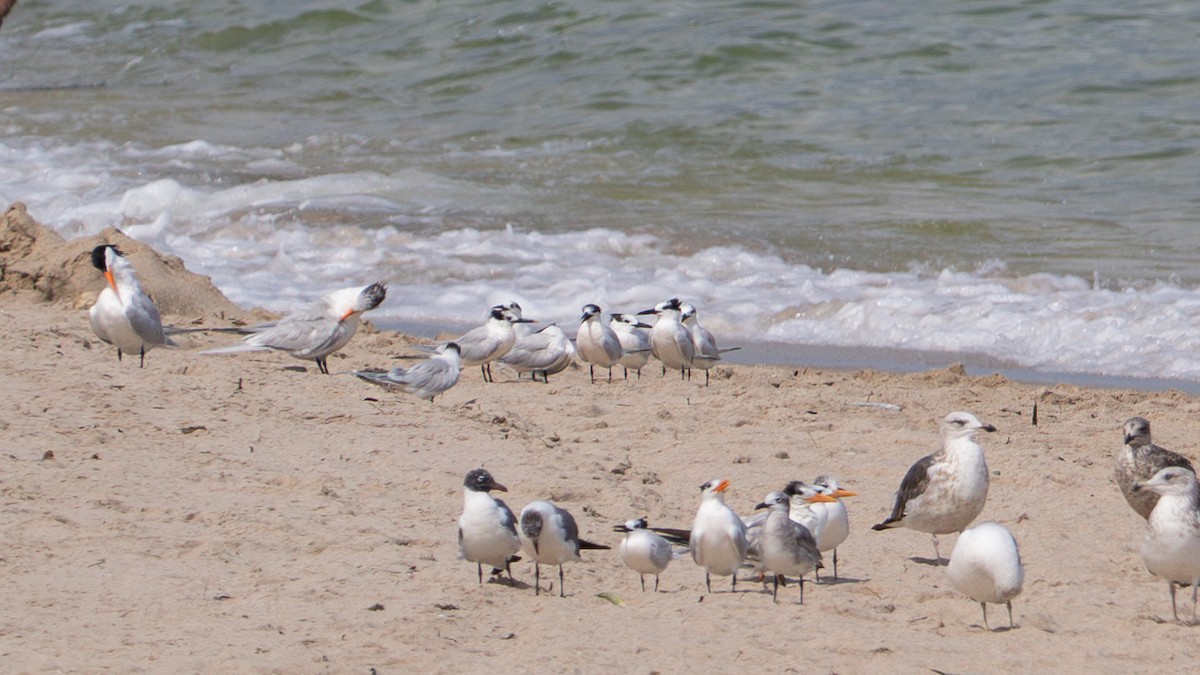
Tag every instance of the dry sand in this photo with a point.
(234, 514)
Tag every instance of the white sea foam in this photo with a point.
(277, 242)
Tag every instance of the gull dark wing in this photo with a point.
(911, 487)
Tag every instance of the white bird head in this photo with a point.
(671, 306)
(1173, 480)
(827, 484)
(687, 313)
(589, 311)
(714, 489)
(958, 425)
(346, 302)
(631, 525)
(626, 322)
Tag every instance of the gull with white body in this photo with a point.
(986, 567)
(549, 535)
(1171, 547)
(943, 492)
(487, 528)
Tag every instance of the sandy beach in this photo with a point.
(247, 514)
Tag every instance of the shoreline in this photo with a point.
(872, 358)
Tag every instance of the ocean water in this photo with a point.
(1011, 183)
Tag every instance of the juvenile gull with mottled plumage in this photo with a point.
(945, 491)
(1139, 460)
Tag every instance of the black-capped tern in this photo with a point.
(124, 315)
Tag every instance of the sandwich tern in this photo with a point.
(425, 380)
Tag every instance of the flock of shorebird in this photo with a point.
(941, 493)
(125, 316)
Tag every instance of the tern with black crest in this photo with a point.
(596, 342)
(718, 537)
(315, 332)
(124, 316)
(671, 341)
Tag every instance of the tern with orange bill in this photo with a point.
(124, 316)
(315, 332)
(718, 539)
(836, 526)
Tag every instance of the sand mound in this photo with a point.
(35, 258)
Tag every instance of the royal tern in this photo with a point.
(315, 332)
(836, 527)
(487, 528)
(596, 342)
(803, 510)
(634, 337)
(645, 551)
(548, 351)
(549, 535)
(1139, 460)
(1171, 548)
(425, 380)
(718, 539)
(484, 344)
(124, 316)
(986, 566)
(785, 547)
(945, 491)
(670, 341)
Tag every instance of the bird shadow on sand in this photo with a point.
(997, 629)
(930, 561)
(830, 581)
(511, 583)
